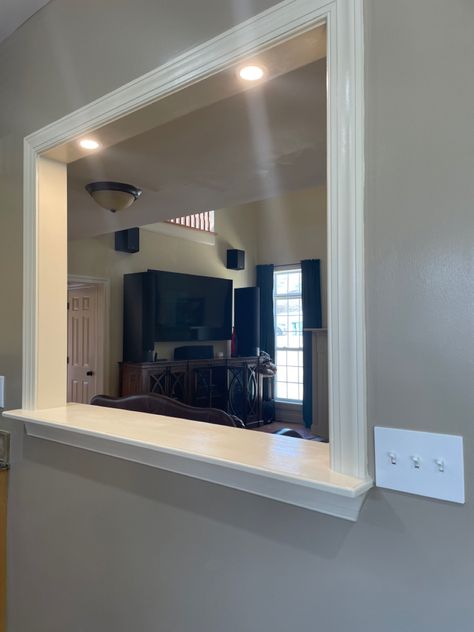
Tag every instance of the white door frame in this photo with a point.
(43, 386)
(103, 324)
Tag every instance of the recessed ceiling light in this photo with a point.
(88, 143)
(251, 73)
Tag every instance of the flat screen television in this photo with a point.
(189, 307)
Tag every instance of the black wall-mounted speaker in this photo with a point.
(128, 240)
(236, 259)
(247, 321)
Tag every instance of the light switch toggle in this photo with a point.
(393, 458)
(416, 462)
(441, 464)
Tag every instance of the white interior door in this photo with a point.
(82, 344)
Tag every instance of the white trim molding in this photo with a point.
(346, 321)
(289, 470)
(346, 284)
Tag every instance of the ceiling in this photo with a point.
(13, 13)
(248, 145)
(251, 146)
(277, 60)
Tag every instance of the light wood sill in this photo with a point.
(289, 470)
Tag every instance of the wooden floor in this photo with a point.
(278, 425)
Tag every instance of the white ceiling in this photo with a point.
(251, 146)
(13, 13)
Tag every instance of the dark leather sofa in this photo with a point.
(162, 405)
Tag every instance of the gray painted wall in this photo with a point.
(99, 544)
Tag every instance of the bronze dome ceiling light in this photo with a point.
(113, 196)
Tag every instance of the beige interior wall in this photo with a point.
(97, 257)
(51, 241)
(294, 227)
(290, 227)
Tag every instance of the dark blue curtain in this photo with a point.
(267, 335)
(312, 319)
(267, 325)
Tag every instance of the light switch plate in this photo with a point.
(421, 463)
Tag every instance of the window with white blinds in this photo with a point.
(198, 221)
(288, 312)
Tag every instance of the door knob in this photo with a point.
(90, 373)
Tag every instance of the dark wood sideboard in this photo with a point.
(231, 384)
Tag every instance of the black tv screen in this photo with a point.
(190, 307)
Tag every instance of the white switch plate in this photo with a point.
(421, 463)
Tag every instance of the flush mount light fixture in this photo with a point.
(251, 73)
(89, 143)
(113, 196)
